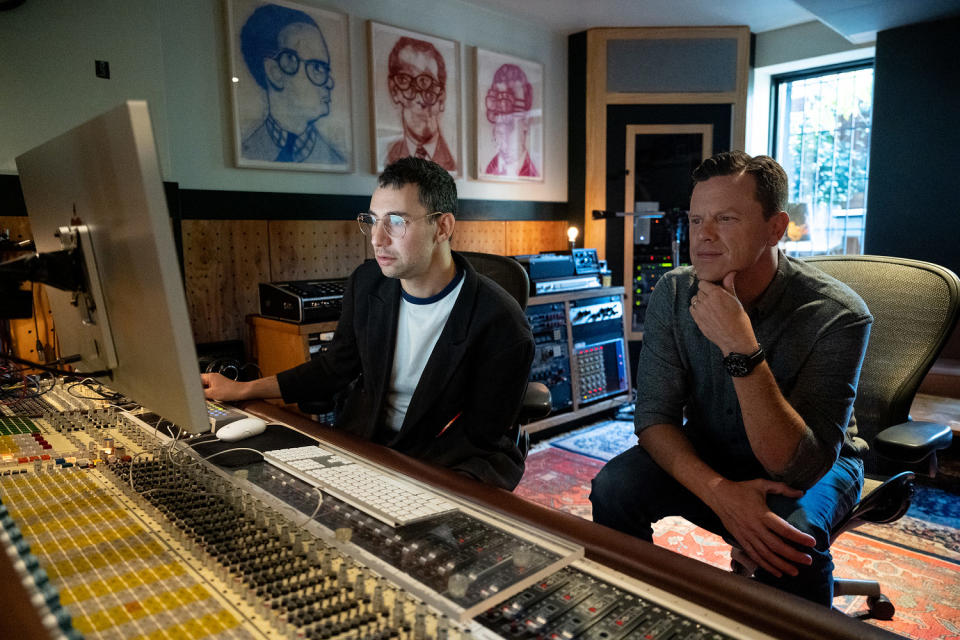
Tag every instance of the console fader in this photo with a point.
(118, 531)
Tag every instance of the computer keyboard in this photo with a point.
(381, 495)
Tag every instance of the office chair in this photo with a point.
(512, 277)
(915, 308)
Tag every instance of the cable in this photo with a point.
(63, 372)
(254, 365)
(100, 390)
(315, 511)
(218, 453)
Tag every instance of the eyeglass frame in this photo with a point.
(431, 93)
(400, 216)
(307, 64)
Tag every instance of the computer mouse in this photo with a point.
(242, 428)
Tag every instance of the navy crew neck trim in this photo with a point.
(438, 296)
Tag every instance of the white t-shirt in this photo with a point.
(419, 327)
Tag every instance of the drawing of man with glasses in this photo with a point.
(287, 56)
(508, 103)
(417, 81)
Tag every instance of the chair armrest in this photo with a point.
(912, 442)
(536, 402)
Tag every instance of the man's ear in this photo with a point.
(445, 224)
(778, 225)
(275, 75)
(442, 100)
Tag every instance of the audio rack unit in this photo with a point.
(302, 301)
(551, 360)
(580, 351)
(599, 349)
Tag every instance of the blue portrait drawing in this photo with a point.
(291, 86)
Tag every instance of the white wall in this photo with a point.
(172, 53)
(47, 53)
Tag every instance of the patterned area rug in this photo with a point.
(917, 559)
(602, 441)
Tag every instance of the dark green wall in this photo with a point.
(913, 209)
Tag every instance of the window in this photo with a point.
(822, 139)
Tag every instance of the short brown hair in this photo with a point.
(770, 177)
(436, 189)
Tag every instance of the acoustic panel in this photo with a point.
(224, 260)
(306, 249)
(672, 65)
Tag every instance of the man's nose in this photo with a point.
(378, 234)
(706, 230)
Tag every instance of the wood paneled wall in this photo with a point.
(225, 260)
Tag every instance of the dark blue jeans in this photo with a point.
(632, 492)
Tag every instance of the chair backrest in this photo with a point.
(505, 271)
(915, 307)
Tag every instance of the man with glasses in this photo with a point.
(433, 357)
(417, 81)
(508, 103)
(287, 56)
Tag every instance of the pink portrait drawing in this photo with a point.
(415, 80)
(508, 101)
(510, 118)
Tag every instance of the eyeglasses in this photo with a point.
(424, 84)
(395, 224)
(503, 103)
(318, 71)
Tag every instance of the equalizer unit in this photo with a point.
(599, 360)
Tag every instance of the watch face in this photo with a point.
(737, 364)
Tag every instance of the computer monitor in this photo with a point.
(100, 183)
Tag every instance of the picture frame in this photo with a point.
(290, 86)
(416, 103)
(509, 116)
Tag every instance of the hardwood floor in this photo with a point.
(937, 409)
(944, 411)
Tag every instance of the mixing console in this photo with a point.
(121, 532)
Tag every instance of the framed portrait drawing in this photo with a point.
(509, 118)
(415, 97)
(290, 72)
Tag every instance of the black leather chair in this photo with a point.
(510, 274)
(915, 308)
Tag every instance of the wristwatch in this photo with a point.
(739, 365)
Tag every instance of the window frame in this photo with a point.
(777, 80)
(791, 76)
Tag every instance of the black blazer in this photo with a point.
(478, 371)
